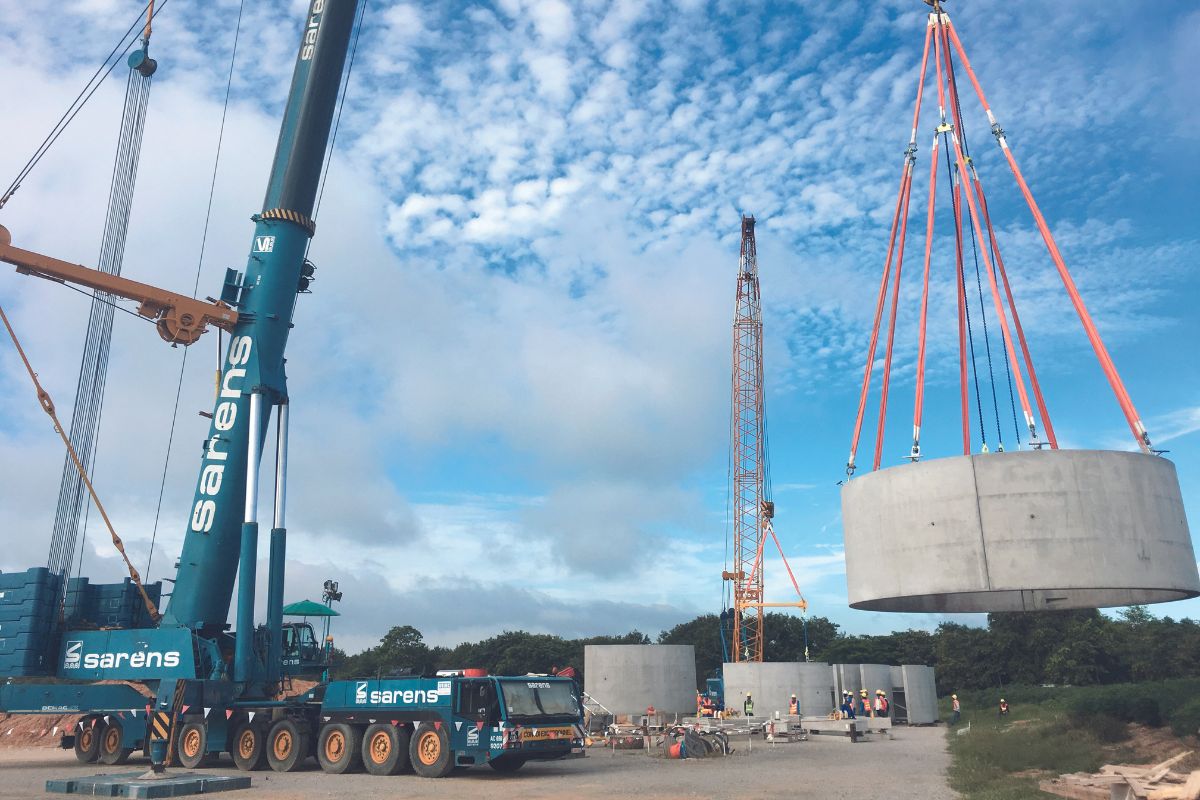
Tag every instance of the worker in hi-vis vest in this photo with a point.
(847, 707)
(864, 704)
(748, 706)
(882, 707)
(794, 706)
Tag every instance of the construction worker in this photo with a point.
(748, 706)
(699, 704)
(864, 703)
(1003, 707)
(882, 707)
(847, 708)
(794, 706)
(956, 708)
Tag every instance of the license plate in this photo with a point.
(541, 734)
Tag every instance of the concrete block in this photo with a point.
(1018, 531)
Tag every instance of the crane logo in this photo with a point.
(264, 244)
(310, 32)
(225, 415)
(74, 655)
(75, 658)
(360, 692)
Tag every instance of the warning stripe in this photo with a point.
(291, 216)
(160, 725)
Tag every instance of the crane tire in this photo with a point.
(339, 747)
(287, 745)
(112, 735)
(248, 747)
(429, 751)
(87, 740)
(191, 744)
(385, 749)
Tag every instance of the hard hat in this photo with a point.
(1002, 700)
(747, 694)
(864, 691)
(953, 697)
(793, 694)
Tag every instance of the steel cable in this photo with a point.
(212, 188)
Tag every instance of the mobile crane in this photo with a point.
(214, 691)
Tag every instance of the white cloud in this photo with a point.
(527, 254)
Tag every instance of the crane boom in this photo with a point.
(221, 540)
(180, 319)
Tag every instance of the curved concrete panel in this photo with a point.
(816, 689)
(876, 676)
(848, 678)
(626, 678)
(920, 694)
(1018, 531)
(772, 685)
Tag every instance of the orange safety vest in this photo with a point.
(793, 707)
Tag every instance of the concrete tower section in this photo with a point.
(920, 694)
(772, 685)
(1018, 531)
(874, 677)
(628, 678)
(848, 678)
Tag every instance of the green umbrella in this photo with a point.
(307, 608)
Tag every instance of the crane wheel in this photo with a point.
(111, 737)
(338, 748)
(287, 746)
(248, 748)
(87, 740)
(191, 745)
(385, 749)
(429, 751)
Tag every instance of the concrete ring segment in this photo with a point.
(1018, 531)
(626, 679)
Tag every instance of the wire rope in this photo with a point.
(962, 137)
(77, 105)
(212, 187)
(957, 211)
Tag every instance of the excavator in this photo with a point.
(207, 690)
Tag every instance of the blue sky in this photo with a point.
(511, 382)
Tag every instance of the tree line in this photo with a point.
(1027, 648)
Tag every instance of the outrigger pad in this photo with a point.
(129, 784)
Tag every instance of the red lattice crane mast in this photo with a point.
(750, 484)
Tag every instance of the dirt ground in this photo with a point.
(912, 765)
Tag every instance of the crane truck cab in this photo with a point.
(433, 724)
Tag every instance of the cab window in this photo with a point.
(477, 700)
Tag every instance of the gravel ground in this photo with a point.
(823, 767)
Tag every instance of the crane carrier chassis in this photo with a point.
(426, 725)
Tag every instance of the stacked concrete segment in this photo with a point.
(628, 678)
(816, 689)
(772, 685)
(876, 676)
(1018, 531)
(848, 678)
(920, 694)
